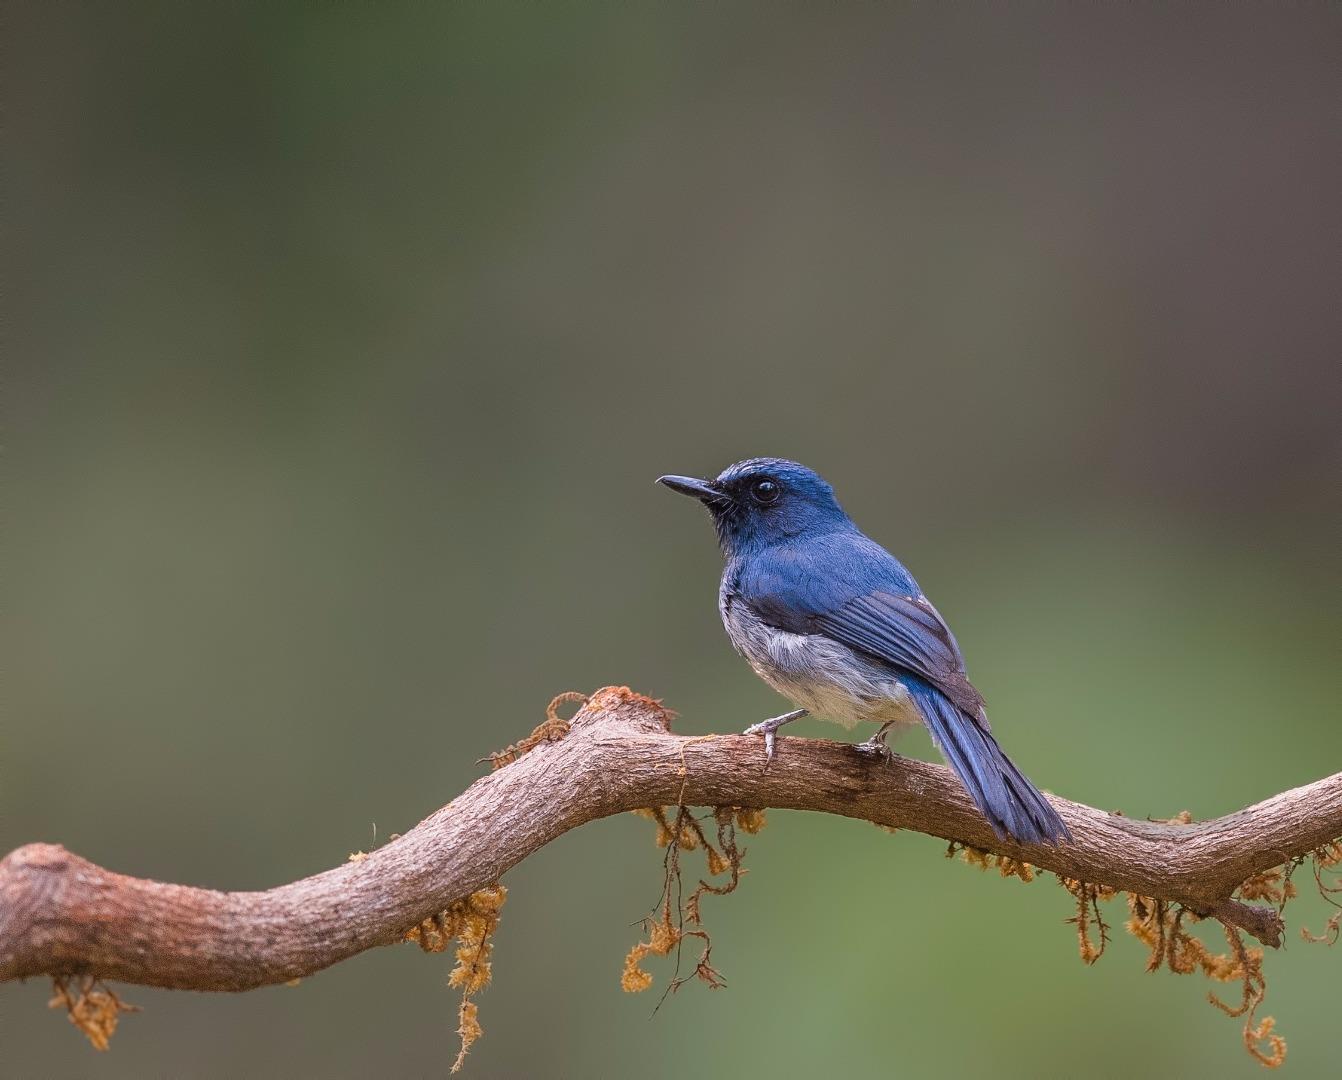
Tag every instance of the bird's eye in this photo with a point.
(765, 492)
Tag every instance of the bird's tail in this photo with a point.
(1013, 806)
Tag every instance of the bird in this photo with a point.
(838, 625)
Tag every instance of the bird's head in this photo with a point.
(764, 501)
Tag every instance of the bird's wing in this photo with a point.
(850, 589)
(908, 632)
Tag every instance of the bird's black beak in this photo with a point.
(696, 489)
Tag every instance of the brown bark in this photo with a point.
(60, 914)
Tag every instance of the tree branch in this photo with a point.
(62, 915)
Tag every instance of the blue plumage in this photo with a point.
(836, 623)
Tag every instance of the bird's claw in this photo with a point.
(770, 736)
(769, 729)
(874, 746)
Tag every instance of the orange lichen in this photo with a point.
(468, 1027)
(686, 837)
(1325, 858)
(671, 923)
(551, 729)
(1015, 868)
(633, 979)
(1160, 926)
(982, 859)
(91, 1007)
(1088, 899)
(663, 936)
(614, 697)
(471, 921)
(1274, 886)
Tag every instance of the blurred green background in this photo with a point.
(347, 341)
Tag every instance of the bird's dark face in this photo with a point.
(764, 501)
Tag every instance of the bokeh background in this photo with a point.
(346, 342)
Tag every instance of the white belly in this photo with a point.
(821, 675)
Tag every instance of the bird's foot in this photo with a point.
(875, 745)
(768, 728)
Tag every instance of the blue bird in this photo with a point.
(834, 622)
